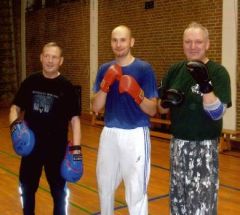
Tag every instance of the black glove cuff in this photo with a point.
(165, 104)
(206, 88)
(76, 147)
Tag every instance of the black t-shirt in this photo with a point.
(48, 104)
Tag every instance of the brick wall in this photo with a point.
(158, 33)
(67, 24)
(17, 34)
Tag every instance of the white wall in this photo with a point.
(93, 42)
(229, 55)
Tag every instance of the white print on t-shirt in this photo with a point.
(43, 102)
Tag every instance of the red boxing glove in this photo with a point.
(113, 73)
(129, 85)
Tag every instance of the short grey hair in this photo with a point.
(199, 26)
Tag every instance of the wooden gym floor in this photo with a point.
(84, 194)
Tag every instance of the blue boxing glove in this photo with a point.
(23, 138)
(72, 165)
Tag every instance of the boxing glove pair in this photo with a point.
(199, 72)
(127, 84)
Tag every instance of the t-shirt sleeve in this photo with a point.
(150, 83)
(99, 77)
(74, 101)
(222, 86)
(164, 82)
(21, 96)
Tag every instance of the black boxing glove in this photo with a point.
(199, 72)
(172, 98)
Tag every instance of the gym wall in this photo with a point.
(158, 33)
(238, 72)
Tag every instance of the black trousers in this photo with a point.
(45, 155)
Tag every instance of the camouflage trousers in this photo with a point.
(193, 177)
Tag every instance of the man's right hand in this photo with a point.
(172, 98)
(113, 73)
(23, 138)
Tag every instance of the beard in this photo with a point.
(121, 53)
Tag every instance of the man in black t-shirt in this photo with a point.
(48, 102)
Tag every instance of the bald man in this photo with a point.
(126, 89)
